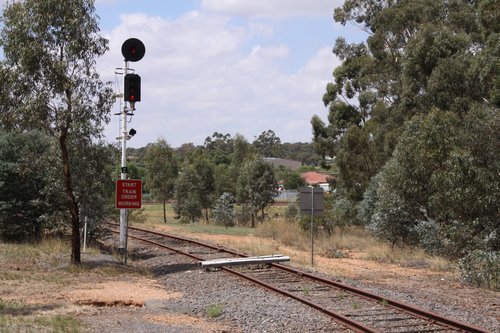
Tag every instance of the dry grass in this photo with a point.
(32, 278)
(31, 268)
(342, 243)
(277, 232)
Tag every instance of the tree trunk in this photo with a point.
(164, 211)
(71, 201)
(206, 215)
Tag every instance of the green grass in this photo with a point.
(60, 324)
(12, 321)
(53, 324)
(215, 310)
(10, 305)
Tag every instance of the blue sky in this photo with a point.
(231, 66)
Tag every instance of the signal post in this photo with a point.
(132, 50)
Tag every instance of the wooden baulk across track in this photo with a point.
(378, 314)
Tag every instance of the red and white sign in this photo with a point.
(128, 193)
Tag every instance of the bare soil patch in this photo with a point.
(118, 292)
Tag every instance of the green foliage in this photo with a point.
(413, 123)
(256, 186)
(291, 179)
(60, 324)
(291, 212)
(300, 151)
(481, 268)
(10, 305)
(188, 202)
(205, 183)
(219, 148)
(161, 171)
(223, 210)
(431, 236)
(419, 55)
(93, 183)
(32, 201)
(50, 50)
(443, 181)
(22, 208)
(223, 181)
(215, 310)
(268, 144)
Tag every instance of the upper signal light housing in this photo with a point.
(133, 49)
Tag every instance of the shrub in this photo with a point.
(244, 215)
(481, 268)
(430, 236)
(291, 212)
(224, 210)
(215, 310)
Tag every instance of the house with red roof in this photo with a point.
(313, 178)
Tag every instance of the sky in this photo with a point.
(227, 66)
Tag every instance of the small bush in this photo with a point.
(291, 212)
(10, 305)
(224, 210)
(215, 310)
(482, 269)
(137, 216)
(430, 236)
(243, 215)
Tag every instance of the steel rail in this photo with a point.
(345, 321)
(420, 313)
(423, 314)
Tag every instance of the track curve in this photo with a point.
(357, 309)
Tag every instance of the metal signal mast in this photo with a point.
(132, 50)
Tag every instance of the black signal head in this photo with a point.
(133, 49)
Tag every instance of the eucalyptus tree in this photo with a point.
(256, 186)
(268, 144)
(187, 196)
(419, 56)
(22, 207)
(161, 172)
(205, 184)
(50, 80)
(413, 123)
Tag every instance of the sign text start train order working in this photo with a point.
(128, 193)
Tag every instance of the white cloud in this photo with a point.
(271, 9)
(196, 79)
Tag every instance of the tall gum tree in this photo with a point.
(418, 55)
(50, 82)
(161, 172)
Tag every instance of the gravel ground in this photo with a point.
(244, 307)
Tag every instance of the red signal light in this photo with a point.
(133, 49)
(132, 89)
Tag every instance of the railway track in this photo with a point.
(355, 309)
